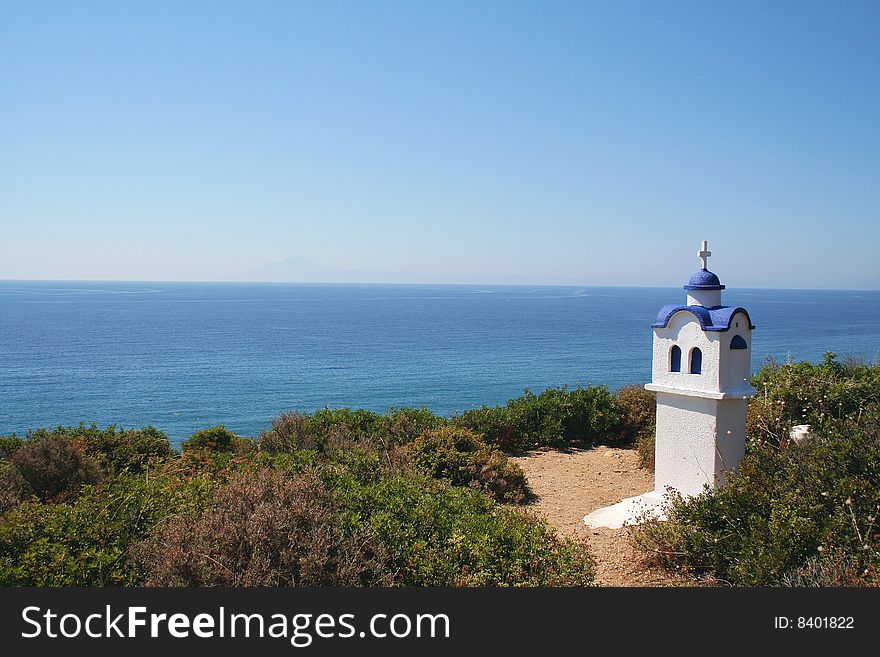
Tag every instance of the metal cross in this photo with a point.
(703, 254)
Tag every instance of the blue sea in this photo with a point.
(184, 356)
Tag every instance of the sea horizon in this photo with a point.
(183, 355)
(404, 284)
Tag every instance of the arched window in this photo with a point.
(738, 343)
(675, 359)
(696, 361)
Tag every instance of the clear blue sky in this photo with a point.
(529, 142)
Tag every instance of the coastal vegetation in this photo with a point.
(410, 498)
(799, 514)
(334, 497)
(557, 417)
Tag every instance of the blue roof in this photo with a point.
(704, 280)
(711, 319)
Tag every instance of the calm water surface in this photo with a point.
(183, 356)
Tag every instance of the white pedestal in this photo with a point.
(630, 511)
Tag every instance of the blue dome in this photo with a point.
(704, 280)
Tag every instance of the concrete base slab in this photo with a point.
(630, 511)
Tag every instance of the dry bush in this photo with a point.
(816, 572)
(404, 425)
(291, 432)
(13, 489)
(264, 528)
(463, 458)
(646, 448)
(52, 468)
(286, 434)
(637, 412)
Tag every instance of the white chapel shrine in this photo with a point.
(700, 374)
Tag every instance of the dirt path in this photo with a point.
(570, 484)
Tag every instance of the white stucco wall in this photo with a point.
(736, 364)
(730, 430)
(698, 441)
(706, 298)
(684, 330)
(724, 369)
(685, 449)
(700, 417)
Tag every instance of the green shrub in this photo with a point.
(637, 418)
(287, 434)
(295, 432)
(833, 570)
(795, 514)
(129, 450)
(214, 439)
(8, 445)
(825, 396)
(356, 424)
(554, 418)
(636, 411)
(337, 496)
(495, 424)
(86, 542)
(263, 528)
(785, 514)
(404, 425)
(115, 450)
(437, 535)
(53, 464)
(464, 459)
(327, 429)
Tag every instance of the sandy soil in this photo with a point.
(570, 484)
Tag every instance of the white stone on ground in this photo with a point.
(629, 511)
